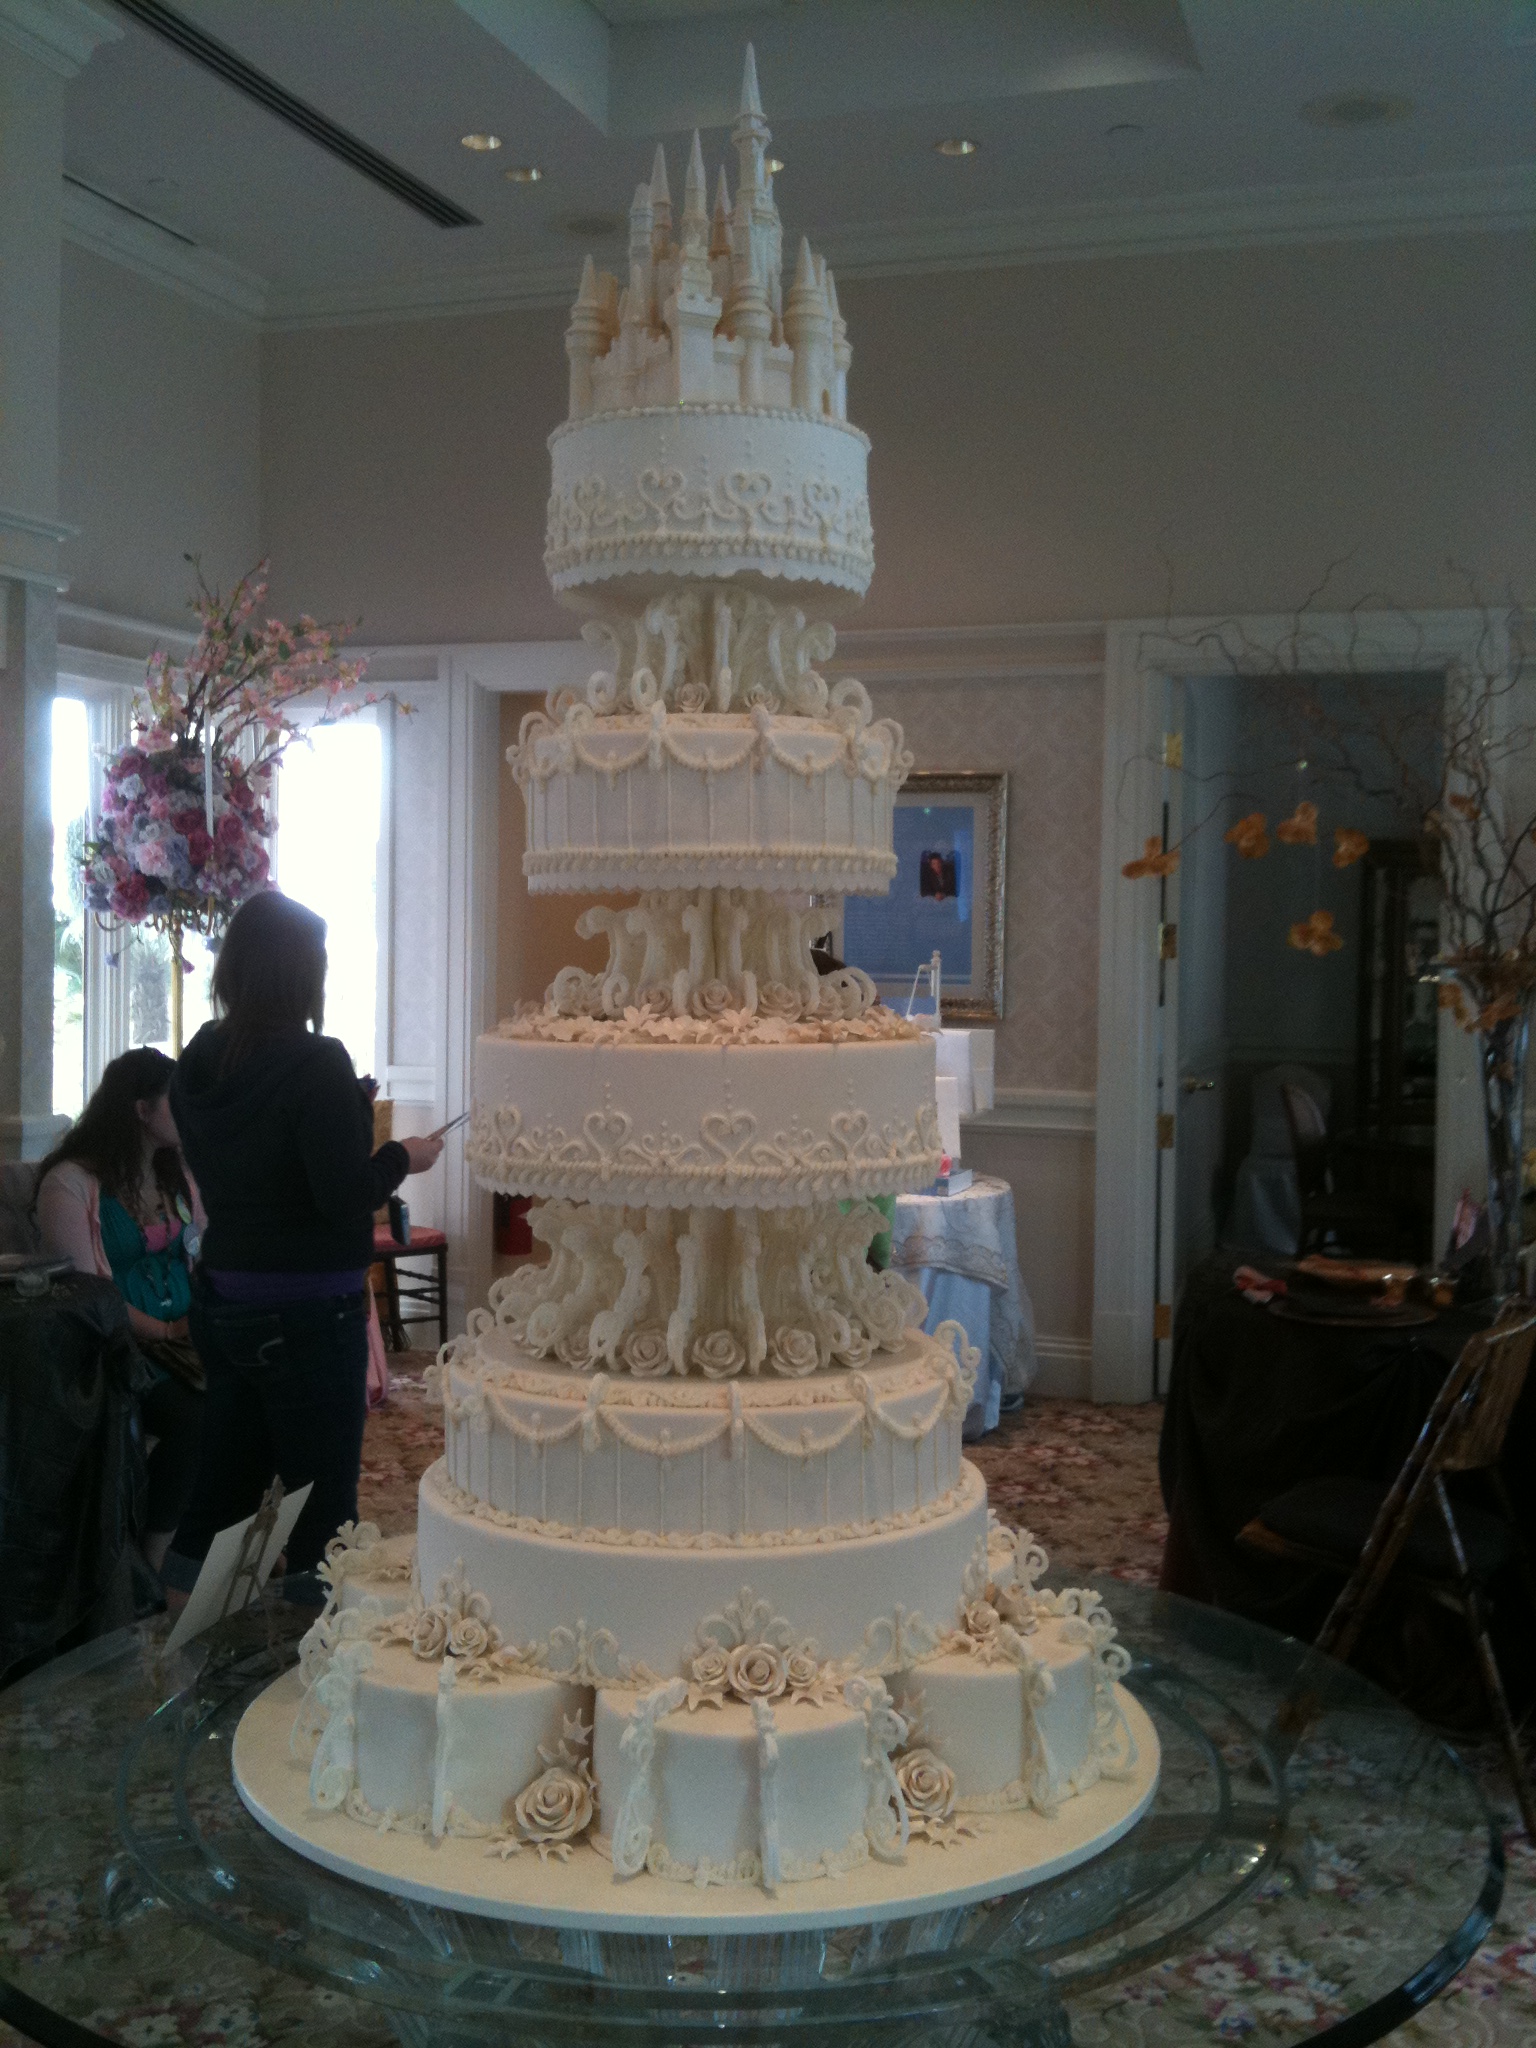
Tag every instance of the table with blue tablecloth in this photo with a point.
(962, 1252)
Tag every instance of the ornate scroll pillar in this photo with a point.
(43, 43)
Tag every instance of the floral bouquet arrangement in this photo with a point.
(185, 809)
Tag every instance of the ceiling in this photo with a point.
(1102, 125)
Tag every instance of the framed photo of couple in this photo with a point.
(950, 833)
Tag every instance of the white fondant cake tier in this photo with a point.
(679, 1127)
(663, 492)
(738, 799)
(562, 1452)
(707, 1785)
(645, 1597)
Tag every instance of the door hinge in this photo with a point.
(1167, 942)
(1165, 1131)
(1173, 750)
(1162, 1320)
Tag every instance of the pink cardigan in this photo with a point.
(69, 1217)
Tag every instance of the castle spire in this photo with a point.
(750, 103)
(695, 214)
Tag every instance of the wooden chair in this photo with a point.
(1331, 1215)
(427, 1292)
(1363, 1528)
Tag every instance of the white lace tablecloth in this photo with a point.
(962, 1251)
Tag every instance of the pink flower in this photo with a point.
(186, 820)
(153, 857)
(229, 831)
(160, 807)
(130, 899)
(199, 846)
(256, 866)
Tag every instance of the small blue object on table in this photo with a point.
(962, 1252)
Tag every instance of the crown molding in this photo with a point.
(1452, 202)
(35, 528)
(191, 272)
(1503, 197)
(58, 34)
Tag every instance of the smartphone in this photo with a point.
(443, 1129)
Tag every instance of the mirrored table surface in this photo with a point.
(1316, 1865)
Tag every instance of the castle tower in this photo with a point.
(692, 310)
(720, 242)
(585, 340)
(808, 330)
(756, 240)
(842, 353)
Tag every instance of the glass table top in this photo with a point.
(1316, 1865)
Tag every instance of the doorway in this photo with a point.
(1273, 1045)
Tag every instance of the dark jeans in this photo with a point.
(172, 1413)
(287, 1394)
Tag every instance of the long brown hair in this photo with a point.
(269, 977)
(107, 1139)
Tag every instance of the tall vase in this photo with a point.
(1502, 1049)
(176, 989)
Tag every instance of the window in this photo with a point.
(71, 799)
(329, 791)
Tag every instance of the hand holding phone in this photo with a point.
(443, 1129)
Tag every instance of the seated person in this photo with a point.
(114, 1198)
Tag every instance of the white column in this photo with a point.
(43, 43)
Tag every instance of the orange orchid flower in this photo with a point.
(1154, 861)
(1316, 935)
(1349, 846)
(1468, 806)
(1300, 828)
(1451, 998)
(1250, 836)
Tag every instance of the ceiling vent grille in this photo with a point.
(227, 64)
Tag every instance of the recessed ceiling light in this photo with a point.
(593, 227)
(524, 174)
(774, 165)
(1356, 109)
(479, 142)
(956, 145)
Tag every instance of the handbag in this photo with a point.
(177, 1356)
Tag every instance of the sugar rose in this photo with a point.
(927, 1785)
(855, 1352)
(801, 1671)
(429, 1635)
(556, 1806)
(757, 1671)
(711, 1669)
(575, 1351)
(469, 1637)
(719, 1356)
(710, 1000)
(981, 1621)
(793, 1352)
(775, 1000)
(644, 1351)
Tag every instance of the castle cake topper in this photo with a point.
(705, 319)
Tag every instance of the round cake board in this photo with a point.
(466, 1876)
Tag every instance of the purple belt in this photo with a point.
(271, 1290)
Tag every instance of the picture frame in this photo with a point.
(949, 896)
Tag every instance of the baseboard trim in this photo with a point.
(1065, 1368)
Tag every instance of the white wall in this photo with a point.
(1039, 435)
(160, 442)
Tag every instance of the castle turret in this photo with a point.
(808, 330)
(756, 239)
(692, 309)
(842, 353)
(720, 240)
(585, 340)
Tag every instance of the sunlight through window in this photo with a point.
(328, 806)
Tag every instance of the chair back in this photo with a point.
(1483, 1389)
(1309, 1138)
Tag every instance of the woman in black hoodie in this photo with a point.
(278, 1131)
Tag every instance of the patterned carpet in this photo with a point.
(1084, 1480)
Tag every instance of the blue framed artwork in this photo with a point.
(948, 896)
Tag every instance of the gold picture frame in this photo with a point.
(949, 896)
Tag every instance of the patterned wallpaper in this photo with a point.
(1049, 735)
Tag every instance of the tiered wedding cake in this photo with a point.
(702, 1585)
